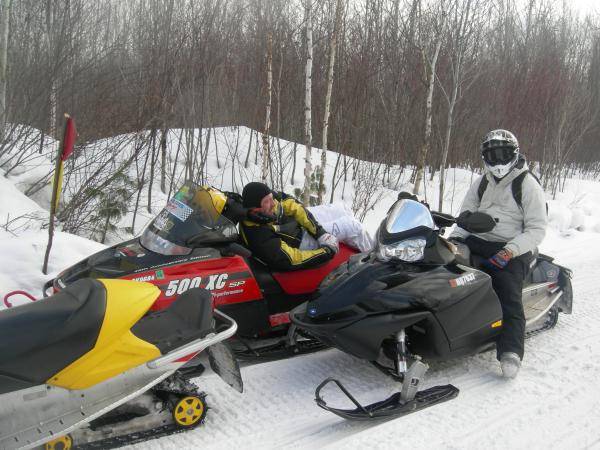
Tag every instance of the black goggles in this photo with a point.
(498, 155)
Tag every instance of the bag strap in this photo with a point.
(483, 184)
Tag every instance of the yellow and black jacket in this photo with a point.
(276, 243)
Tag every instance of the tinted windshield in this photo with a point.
(406, 215)
(190, 219)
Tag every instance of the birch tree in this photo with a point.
(332, 50)
(4, 32)
(266, 152)
(429, 65)
(308, 103)
(463, 39)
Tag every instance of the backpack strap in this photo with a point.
(483, 184)
(517, 188)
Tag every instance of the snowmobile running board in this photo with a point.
(390, 408)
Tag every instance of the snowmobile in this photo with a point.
(193, 243)
(418, 297)
(89, 367)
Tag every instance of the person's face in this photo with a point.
(267, 205)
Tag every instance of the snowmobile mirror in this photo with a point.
(476, 222)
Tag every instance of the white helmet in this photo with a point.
(500, 152)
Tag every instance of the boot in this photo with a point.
(510, 363)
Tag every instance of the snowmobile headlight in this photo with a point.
(409, 250)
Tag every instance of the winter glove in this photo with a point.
(329, 241)
(499, 260)
(257, 216)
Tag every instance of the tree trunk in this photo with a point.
(332, 50)
(428, 117)
(266, 154)
(308, 105)
(4, 32)
(163, 161)
(152, 166)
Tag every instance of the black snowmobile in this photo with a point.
(91, 367)
(418, 297)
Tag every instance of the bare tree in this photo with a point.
(332, 49)
(266, 153)
(429, 66)
(4, 32)
(308, 102)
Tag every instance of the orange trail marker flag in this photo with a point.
(64, 151)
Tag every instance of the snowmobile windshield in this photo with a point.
(405, 233)
(190, 219)
(407, 215)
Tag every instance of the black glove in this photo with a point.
(257, 216)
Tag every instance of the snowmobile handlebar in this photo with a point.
(477, 222)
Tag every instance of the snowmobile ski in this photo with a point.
(390, 408)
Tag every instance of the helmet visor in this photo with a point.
(498, 155)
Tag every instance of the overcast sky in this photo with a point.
(586, 5)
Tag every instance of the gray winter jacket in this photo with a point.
(522, 229)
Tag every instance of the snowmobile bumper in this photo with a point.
(390, 408)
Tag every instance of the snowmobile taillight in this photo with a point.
(10, 294)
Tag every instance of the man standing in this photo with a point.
(277, 243)
(509, 193)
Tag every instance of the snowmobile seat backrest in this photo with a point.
(188, 318)
(39, 339)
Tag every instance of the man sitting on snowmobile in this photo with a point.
(514, 198)
(279, 243)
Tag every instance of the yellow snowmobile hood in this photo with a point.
(117, 349)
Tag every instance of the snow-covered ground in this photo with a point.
(554, 403)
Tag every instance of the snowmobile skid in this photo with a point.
(419, 297)
(90, 366)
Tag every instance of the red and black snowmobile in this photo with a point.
(191, 243)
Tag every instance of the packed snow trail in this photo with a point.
(553, 403)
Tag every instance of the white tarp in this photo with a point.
(337, 219)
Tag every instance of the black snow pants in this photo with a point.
(508, 285)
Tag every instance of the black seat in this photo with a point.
(39, 339)
(186, 319)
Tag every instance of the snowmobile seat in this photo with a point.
(39, 339)
(186, 319)
(306, 281)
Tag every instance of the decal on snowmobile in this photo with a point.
(462, 281)
(172, 263)
(179, 209)
(179, 286)
(237, 283)
(221, 294)
(144, 278)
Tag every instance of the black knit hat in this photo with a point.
(253, 193)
